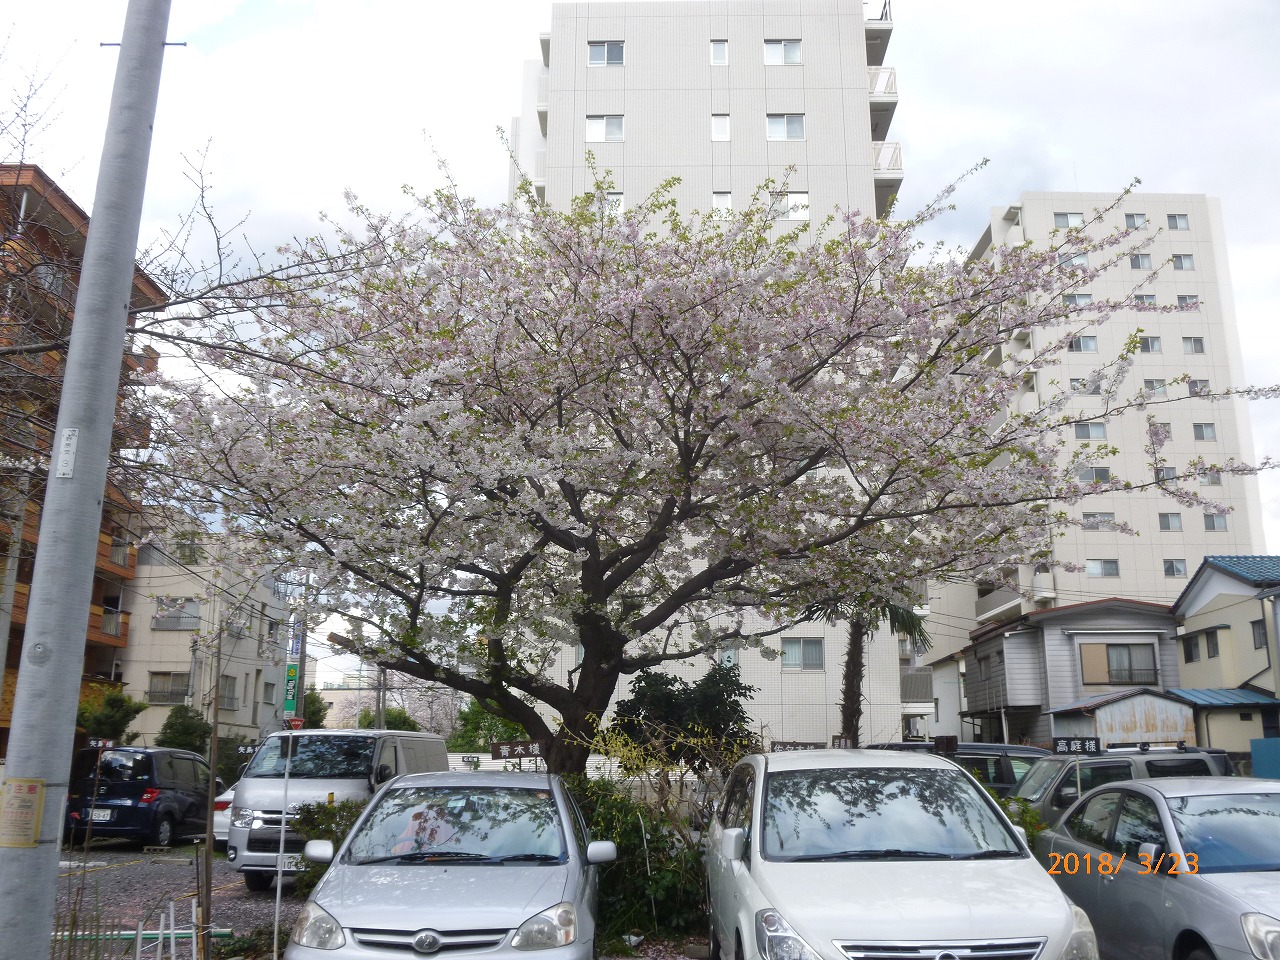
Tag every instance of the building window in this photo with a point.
(1102, 568)
(1215, 522)
(719, 126)
(1166, 473)
(1118, 663)
(984, 668)
(1144, 300)
(802, 653)
(1155, 387)
(1093, 430)
(167, 688)
(1077, 299)
(1211, 478)
(1210, 644)
(1132, 221)
(1078, 260)
(1163, 429)
(1179, 221)
(176, 613)
(1094, 474)
(1259, 628)
(790, 206)
(1175, 568)
(604, 128)
(268, 692)
(1190, 649)
(1140, 261)
(719, 53)
(1170, 521)
(227, 693)
(1189, 301)
(785, 126)
(1198, 388)
(1149, 344)
(1064, 220)
(781, 51)
(1084, 387)
(1204, 431)
(722, 202)
(1183, 261)
(613, 201)
(1088, 344)
(1098, 520)
(604, 53)
(1194, 345)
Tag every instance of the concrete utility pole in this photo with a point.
(44, 710)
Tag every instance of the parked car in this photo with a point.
(222, 817)
(152, 794)
(996, 765)
(313, 766)
(1184, 869)
(833, 854)
(1056, 782)
(485, 861)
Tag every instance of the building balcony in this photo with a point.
(997, 605)
(886, 171)
(544, 87)
(108, 627)
(882, 90)
(116, 556)
(878, 20)
(91, 688)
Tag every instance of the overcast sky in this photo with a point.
(297, 101)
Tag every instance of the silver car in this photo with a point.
(1186, 868)
(490, 862)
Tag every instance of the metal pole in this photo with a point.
(44, 709)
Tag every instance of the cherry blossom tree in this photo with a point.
(535, 452)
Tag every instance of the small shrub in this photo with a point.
(255, 945)
(1024, 815)
(322, 821)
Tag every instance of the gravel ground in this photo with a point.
(127, 884)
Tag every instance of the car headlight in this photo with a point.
(241, 817)
(1262, 934)
(554, 927)
(316, 928)
(776, 940)
(1082, 945)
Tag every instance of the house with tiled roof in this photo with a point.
(1228, 649)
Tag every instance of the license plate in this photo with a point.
(292, 863)
(99, 815)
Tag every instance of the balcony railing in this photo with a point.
(882, 81)
(886, 158)
(228, 703)
(1134, 675)
(176, 621)
(167, 696)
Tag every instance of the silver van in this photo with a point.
(314, 766)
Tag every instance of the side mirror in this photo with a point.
(733, 843)
(1021, 832)
(602, 851)
(318, 851)
(383, 773)
(1151, 851)
(219, 786)
(1066, 795)
(243, 768)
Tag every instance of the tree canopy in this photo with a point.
(535, 452)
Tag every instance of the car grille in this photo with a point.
(966, 950)
(450, 940)
(268, 841)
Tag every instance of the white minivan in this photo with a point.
(290, 769)
(874, 854)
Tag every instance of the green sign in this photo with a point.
(290, 690)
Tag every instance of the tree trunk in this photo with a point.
(854, 669)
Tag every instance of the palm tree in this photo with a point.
(864, 619)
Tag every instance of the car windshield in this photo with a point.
(863, 813)
(314, 757)
(482, 824)
(1036, 780)
(1230, 832)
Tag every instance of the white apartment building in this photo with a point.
(192, 610)
(1198, 342)
(726, 95)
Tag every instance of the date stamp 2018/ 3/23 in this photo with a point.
(1107, 864)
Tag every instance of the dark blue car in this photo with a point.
(151, 794)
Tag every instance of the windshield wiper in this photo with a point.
(989, 855)
(531, 858)
(889, 854)
(427, 856)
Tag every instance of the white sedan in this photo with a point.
(222, 817)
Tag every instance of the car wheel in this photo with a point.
(713, 942)
(1201, 953)
(737, 946)
(162, 832)
(257, 880)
